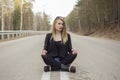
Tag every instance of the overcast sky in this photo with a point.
(54, 7)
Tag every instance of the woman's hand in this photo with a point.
(43, 52)
(74, 51)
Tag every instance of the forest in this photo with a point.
(95, 18)
(18, 15)
(99, 18)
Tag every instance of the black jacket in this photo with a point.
(49, 45)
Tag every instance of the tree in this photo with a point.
(96, 15)
(24, 19)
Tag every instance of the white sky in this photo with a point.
(54, 7)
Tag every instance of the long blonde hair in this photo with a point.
(63, 32)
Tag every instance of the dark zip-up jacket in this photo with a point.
(52, 50)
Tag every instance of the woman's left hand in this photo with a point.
(74, 51)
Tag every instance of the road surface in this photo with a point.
(98, 59)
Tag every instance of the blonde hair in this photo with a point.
(63, 32)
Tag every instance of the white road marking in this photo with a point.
(46, 76)
(64, 76)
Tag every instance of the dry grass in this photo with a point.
(108, 34)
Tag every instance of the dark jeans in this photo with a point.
(49, 60)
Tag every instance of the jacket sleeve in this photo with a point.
(46, 42)
(69, 43)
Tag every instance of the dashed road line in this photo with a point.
(64, 76)
(46, 76)
(55, 75)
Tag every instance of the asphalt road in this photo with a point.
(98, 59)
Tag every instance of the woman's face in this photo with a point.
(59, 25)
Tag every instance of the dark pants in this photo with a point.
(49, 60)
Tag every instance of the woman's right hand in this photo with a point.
(74, 51)
(43, 52)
